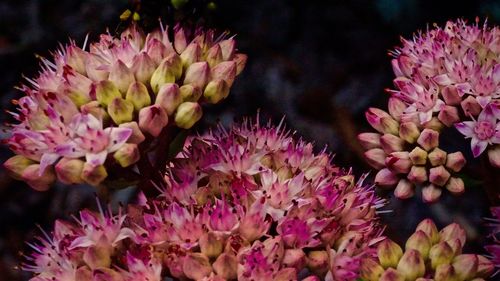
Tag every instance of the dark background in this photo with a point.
(320, 63)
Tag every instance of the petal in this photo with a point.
(466, 128)
(478, 146)
(483, 100)
(487, 115)
(70, 150)
(80, 242)
(463, 88)
(117, 137)
(47, 160)
(96, 159)
(443, 80)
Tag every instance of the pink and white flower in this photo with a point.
(483, 132)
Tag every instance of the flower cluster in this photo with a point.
(445, 77)
(88, 108)
(250, 203)
(428, 255)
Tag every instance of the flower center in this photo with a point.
(484, 130)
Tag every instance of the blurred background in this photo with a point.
(319, 63)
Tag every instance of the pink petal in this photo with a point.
(443, 80)
(117, 137)
(96, 159)
(487, 115)
(81, 242)
(71, 150)
(47, 160)
(463, 88)
(478, 146)
(466, 128)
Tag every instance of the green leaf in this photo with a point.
(177, 144)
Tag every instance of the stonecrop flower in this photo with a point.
(249, 203)
(90, 108)
(445, 77)
(428, 255)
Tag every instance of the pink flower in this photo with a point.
(483, 131)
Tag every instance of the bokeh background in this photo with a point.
(319, 63)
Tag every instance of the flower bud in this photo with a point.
(391, 275)
(137, 136)
(385, 177)
(241, 61)
(225, 71)
(188, 113)
(196, 266)
(317, 262)
(404, 189)
(138, 95)
(216, 90)
(295, 258)
(440, 253)
(190, 55)
(214, 55)
(433, 124)
(389, 253)
(374, 116)
(451, 232)
(16, 165)
(153, 119)
(391, 143)
(465, 266)
(439, 175)
(169, 97)
(286, 274)
(430, 229)
(369, 140)
(456, 246)
(419, 241)
(197, 74)
(371, 270)
(445, 272)
(396, 107)
(399, 162)
(190, 93)
(450, 95)
(165, 73)
(69, 171)
(428, 139)
(93, 175)
(143, 67)
(431, 193)
(98, 257)
(437, 157)
(121, 111)
(494, 156)
(455, 185)
(76, 58)
(418, 156)
(226, 266)
(376, 158)
(39, 182)
(417, 174)
(76, 86)
(228, 47)
(485, 267)
(211, 244)
(127, 154)
(455, 161)
(448, 115)
(121, 76)
(409, 132)
(95, 109)
(411, 265)
(92, 67)
(106, 92)
(180, 40)
(470, 106)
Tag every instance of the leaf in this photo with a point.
(177, 144)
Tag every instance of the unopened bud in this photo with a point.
(411, 265)
(431, 193)
(417, 174)
(95, 109)
(369, 140)
(214, 55)
(418, 156)
(216, 90)
(430, 229)
(419, 241)
(106, 92)
(190, 93)
(437, 157)
(169, 97)
(440, 253)
(494, 156)
(452, 232)
(371, 270)
(228, 47)
(470, 106)
(450, 95)
(391, 143)
(121, 111)
(317, 262)
(40, 182)
(295, 258)
(439, 175)
(121, 76)
(455, 161)
(428, 139)
(153, 119)
(389, 253)
(211, 244)
(127, 154)
(485, 267)
(190, 55)
(404, 189)
(196, 266)
(16, 165)
(445, 272)
(165, 73)
(197, 74)
(241, 61)
(396, 107)
(93, 175)
(226, 71)
(188, 113)
(138, 95)
(385, 177)
(376, 158)
(392, 275)
(399, 162)
(465, 266)
(409, 132)
(226, 266)
(143, 67)
(448, 115)
(69, 171)
(137, 136)
(455, 185)
(434, 124)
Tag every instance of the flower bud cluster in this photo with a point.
(453, 74)
(88, 108)
(428, 255)
(251, 203)
(407, 154)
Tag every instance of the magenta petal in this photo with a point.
(478, 146)
(117, 137)
(483, 100)
(466, 128)
(70, 150)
